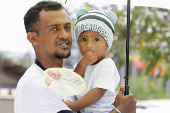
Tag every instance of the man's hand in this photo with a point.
(119, 95)
(125, 104)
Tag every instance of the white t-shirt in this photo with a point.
(33, 96)
(102, 75)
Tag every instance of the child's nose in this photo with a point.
(89, 45)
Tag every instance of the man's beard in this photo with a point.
(61, 55)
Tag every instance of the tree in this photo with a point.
(149, 37)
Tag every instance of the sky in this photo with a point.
(13, 37)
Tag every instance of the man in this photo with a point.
(48, 29)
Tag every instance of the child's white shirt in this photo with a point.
(102, 75)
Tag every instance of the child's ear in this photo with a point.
(112, 16)
(81, 12)
(32, 37)
(107, 47)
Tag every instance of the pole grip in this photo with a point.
(126, 90)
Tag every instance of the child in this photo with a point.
(94, 34)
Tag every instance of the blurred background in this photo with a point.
(149, 50)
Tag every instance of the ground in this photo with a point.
(143, 106)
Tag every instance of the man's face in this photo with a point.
(92, 41)
(55, 34)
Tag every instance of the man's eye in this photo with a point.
(67, 28)
(53, 29)
(96, 39)
(83, 39)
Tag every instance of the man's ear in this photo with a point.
(32, 37)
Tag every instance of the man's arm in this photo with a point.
(125, 104)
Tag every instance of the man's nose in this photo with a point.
(63, 34)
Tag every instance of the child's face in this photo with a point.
(92, 41)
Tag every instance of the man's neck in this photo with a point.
(53, 62)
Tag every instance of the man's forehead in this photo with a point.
(54, 18)
(54, 14)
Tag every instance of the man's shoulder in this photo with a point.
(32, 72)
(30, 79)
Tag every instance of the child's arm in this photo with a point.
(90, 98)
(89, 58)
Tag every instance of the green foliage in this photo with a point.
(144, 88)
(149, 38)
(26, 60)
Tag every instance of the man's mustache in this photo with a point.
(61, 40)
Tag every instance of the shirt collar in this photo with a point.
(39, 64)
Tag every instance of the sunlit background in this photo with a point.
(149, 49)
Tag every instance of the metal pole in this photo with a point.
(127, 49)
(1, 68)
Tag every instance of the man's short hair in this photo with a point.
(31, 18)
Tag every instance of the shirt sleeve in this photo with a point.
(38, 98)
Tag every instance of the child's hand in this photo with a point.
(71, 105)
(90, 57)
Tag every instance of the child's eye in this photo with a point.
(83, 39)
(96, 39)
